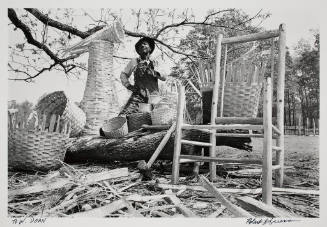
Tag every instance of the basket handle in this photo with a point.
(52, 123)
(29, 122)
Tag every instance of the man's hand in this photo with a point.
(132, 88)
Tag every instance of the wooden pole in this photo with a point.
(223, 84)
(280, 104)
(314, 126)
(252, 37)
(215, 96)
(161, 145)
(178, 135)
(299, 125)
(267, 144)
(272, 62)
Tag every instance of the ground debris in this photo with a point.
(130, 196)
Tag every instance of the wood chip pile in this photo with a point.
(113, 190)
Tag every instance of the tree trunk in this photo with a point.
(140, 145)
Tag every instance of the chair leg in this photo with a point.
(213, 165)
(267, 144)
(280, 161)
(178, 134)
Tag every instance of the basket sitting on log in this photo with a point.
(136, 120)
(163, 115)
(36, 149)
(59, 104)
(115, 127)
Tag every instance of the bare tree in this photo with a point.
(46, 32)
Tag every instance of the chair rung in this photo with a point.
(239, 120)
(220, 160)
(276, 130)
(239, 135)
(223, 127)
(276, 148)
(196, 143)
(187, 161)
(275, 167)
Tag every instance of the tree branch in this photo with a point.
(186, 22)
(30, 39)
(30, 78)
(27, 32)
(46, 20)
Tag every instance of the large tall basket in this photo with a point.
(100, 101)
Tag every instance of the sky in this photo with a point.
(299, 18)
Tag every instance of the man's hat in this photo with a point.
(148, 40)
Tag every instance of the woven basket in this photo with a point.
(113, 33)
(115, 127)
(37, 149)
(241, 99)
(100, 100)
(136, 120)
(57, 103)
(163, 116)
(242, 90)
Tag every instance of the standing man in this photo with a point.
(145, 77)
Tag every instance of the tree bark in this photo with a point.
(140, 145)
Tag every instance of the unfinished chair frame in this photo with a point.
(269, 130)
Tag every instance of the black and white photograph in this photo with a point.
(157, 112)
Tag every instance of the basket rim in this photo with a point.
(121, 121)
(33, 131)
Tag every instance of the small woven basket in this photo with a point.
(163, 116)
(115, 127)
(37, 149)
(136, 120)
(58, 103)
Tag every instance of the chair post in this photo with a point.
(267, 143)
(178, 134)
(214, 108)
(280, 104)
(221, 114)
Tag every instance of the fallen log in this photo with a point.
(140, 145)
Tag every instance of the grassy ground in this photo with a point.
(302, 171)
(301, 158)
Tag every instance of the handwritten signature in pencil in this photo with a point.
(267, 221)
(32, 219)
